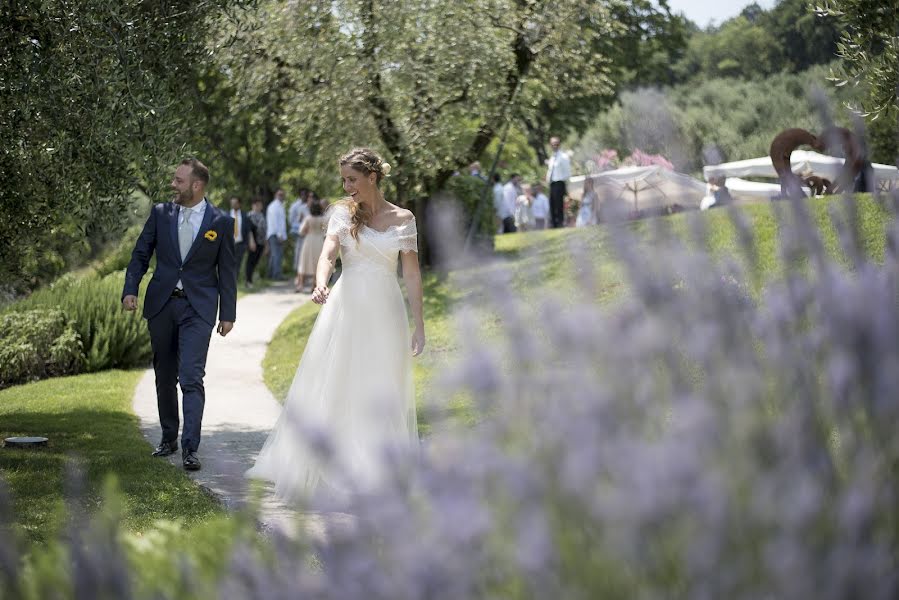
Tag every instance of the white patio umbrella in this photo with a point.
(644, 187)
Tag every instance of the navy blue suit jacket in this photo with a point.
(208, 273)
(246, 227)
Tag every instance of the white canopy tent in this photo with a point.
(643, 187)
(753, 189)
(801, 162)
(743, 190)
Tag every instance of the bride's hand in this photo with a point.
(320, 294)
(418, 341)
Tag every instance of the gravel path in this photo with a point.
(240, 410)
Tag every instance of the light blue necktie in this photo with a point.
(185, 233)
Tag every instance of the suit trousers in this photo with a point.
(252, 261)
(275, 252)
(180, 341)
(557, 191)
(240, 248)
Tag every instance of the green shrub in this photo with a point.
(38, 343)
(118, 255)
(475, 200)
(112, 338)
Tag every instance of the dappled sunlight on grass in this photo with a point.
(89, 418)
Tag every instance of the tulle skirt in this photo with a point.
(352, 400)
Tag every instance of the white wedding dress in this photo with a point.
(352, 393)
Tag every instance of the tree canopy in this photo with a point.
(723, 119)
(869, 49)
(426, 83)
(93, 107)
(757, 43)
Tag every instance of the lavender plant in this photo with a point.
(704, 437)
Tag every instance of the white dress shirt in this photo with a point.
(510, 200)
(559, 168)
(238, 220)
(196, 221)
(296, 215)
(498, 198)
(540, 208)
(276, 220)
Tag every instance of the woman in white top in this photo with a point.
(589, 203)
(523, 209)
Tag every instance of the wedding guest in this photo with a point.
(510, 198)
(295, 215)
(721, 193)
(586, 215)
(474, 169)
(324, 201)
(498, 199)
(243, 232)
(276, 221)
(523, 209)
(540, 208)
(257, 220)
(557, 174)
(313, 229)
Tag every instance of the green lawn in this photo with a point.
(538, 263)
(89, 417)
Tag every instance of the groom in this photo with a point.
(195, 274)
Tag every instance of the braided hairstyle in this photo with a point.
(365, 161)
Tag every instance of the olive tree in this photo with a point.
(428, 83)
(94, 106)
(869, 48)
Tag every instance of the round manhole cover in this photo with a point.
(24, 442)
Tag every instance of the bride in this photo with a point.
(354, 380)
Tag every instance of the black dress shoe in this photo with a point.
(165, 448)
(191, 462)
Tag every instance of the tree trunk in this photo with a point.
(536, 131)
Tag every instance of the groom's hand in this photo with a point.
(129, 302)
(224, 327)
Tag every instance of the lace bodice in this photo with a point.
(378, 249)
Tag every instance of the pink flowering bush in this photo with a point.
(641, 159)
(606, 159)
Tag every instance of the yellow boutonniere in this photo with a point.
(211, 235)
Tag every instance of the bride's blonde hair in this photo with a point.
(365, 161)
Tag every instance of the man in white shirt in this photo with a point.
(506, 211)
(557, 174)
(299, 210)
(498, 201)
(540, 208)
(276, 222)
